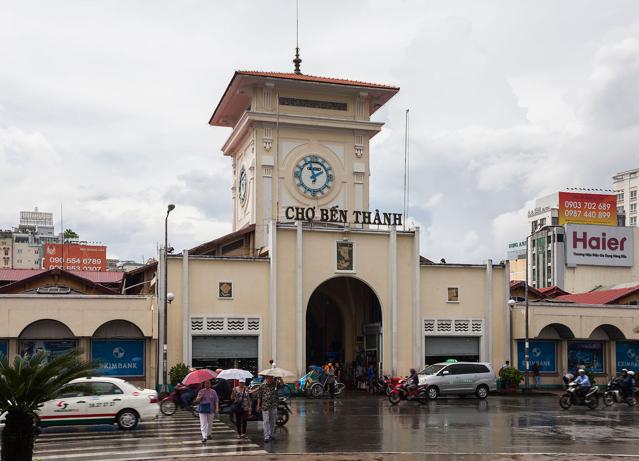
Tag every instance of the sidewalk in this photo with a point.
(413, 457)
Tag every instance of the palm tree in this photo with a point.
(24, 386)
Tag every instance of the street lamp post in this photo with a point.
(165, 386)
(526, 350)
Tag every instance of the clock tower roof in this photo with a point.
(237, 96)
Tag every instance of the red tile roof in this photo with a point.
(553, 291)
(597, 297)
(14, 275)
(314, 78)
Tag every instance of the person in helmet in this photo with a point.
(627, 383)
(582, 381)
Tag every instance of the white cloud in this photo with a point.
(104, 108)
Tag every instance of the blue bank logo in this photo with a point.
(118, 352)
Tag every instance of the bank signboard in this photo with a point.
(578, 208)
(627, 355)
(587, 354)
(118, 357)
(599, 246)
(542, 352)
(74, 257)
(4, 347)
(53, 348)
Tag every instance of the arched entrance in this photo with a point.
(344, 324)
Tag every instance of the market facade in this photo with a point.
(310, 273)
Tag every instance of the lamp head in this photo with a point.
(512, 302)
(170, 208)
(170, 297)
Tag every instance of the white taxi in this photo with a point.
(100, 400)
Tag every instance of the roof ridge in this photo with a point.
(310, 77)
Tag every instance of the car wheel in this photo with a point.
(127, 419)
(282, 418)
(168, 407)
(564, 402)
(482, 392)
(433, 392)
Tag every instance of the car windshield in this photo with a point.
(431, 370)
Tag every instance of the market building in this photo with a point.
(598, 330)
(310, 273)
(57, 310)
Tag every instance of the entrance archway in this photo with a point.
(344, 324)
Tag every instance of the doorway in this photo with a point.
(344, 325)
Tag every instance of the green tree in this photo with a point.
(178, 372)
(69, 234)
(25, 385)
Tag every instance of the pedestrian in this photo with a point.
(267, 404)
(506, 364)
(241, 407)
(330, 379)
(207, 405)
(272, 363)
(370, 378)
(536, 369)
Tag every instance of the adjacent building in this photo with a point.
(625, 185)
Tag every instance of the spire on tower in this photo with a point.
(297, 61)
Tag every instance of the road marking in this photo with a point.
(164, 438)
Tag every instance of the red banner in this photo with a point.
(580, 208)
(75, 257)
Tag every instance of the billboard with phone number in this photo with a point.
(578, 208)
(74, 257)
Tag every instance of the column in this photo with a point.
(393, 298)
(418, 361)
(272, 230)
(488, 331)
(299, 307)
(186, 320)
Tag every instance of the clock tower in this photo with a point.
(297, 141)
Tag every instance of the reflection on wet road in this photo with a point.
(168, 437)
(496, 425)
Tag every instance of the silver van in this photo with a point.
(459, 378)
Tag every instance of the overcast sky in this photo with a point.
(104, 107)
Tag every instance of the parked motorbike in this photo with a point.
(572, 397)
(170, 403)
(402, 391)
(283, 412)
(614, 394)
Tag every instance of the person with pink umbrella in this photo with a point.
(207, 405)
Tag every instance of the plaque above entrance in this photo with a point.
(337, 216)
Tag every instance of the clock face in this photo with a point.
(313, 176)
(241, 190)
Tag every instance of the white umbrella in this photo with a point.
(276, 373)
(235, 373)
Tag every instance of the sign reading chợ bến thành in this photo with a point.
(339, 216)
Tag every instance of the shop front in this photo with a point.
(226, 352)
(460, 348)
(588, 355)
(627, 355)
(543, 353)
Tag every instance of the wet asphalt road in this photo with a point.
(497, 425)
(358, 423)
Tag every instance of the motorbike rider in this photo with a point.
(583, 382)
(412, 382)
(187, 393)
(628, 384)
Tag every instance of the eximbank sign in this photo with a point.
(599, 245)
